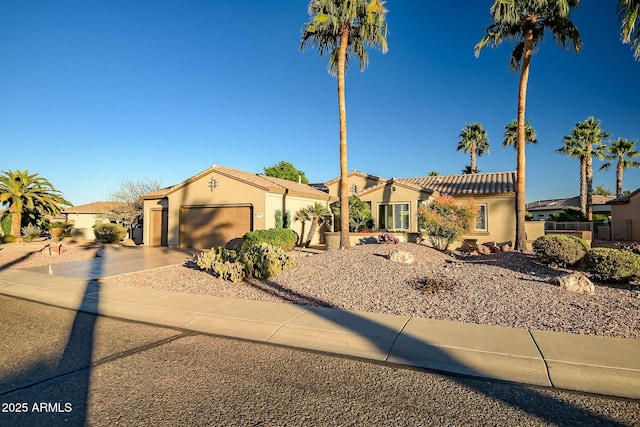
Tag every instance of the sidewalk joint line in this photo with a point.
(386, 357)
(275, 331)
(546, 365)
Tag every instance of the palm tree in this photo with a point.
(317, 214)
(623, 152)
(20, 191)
(525, 22)
(574, 148)
(469, 170)
(628, 13)
(343, 29)
(474, 140)
(511, 134)
(584, 143)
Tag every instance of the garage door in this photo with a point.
(207, 227)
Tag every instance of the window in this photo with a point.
(393, 216)
(481, 225)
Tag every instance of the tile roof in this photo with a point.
(266, 183)
(94, 207)
(623, 199)
(361, 174)
(393, 182)
(467, 184)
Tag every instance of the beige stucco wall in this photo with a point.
(623, 212)
(358, 181)
(501, 218)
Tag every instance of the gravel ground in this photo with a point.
(506, 289)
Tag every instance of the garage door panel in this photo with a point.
(206, 227)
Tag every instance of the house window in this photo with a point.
(481, 224)
(393, 216)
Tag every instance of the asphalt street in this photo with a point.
(59, 367)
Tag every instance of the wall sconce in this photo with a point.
(393, 188)
(212, 184)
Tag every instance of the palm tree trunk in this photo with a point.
(344, 171)
(619, 171)
(521, 204)
(583, 185)
(474, 162)
(16, 221)
(312, 232)
(589, 179)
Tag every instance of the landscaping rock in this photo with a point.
(575, 282)
(483, 250)
(403, 257)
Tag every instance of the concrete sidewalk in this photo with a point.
(602, 365)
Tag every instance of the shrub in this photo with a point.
(282, 238)
(264, 261)
(613, 265)
(359, 214)
(223, 263)
(31, 232)
(569, 214)
(560, 249)
(60, 229)
(444, 221)
(109, 233)
(278, 218)
(6, 223)
(388, 238)
(8, 238)
(261, 261)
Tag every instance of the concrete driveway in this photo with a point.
(116, 260)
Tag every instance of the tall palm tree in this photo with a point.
(574, 148)
(628, 13)
(623, 152)
(585, 142)
(20, 191)
(525, 22)
(474, 140)
(511, 134)
(343, 29)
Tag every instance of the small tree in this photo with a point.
(317, 214)
(128, 205)
(286, 170)
(444, 221)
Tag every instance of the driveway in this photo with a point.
(116, 260)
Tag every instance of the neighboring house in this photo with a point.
(625, 217)
(394, 202)
(84, 217)
(542, 210)
(219, 205)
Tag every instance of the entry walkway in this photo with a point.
(602, 365)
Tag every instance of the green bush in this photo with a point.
(8, 238)
(31, 232)
(282, 238)
(109, 233)
(560, 249)
(261, 261)
(613, 265)
(6, 223)
(444, 220)
(60, 229)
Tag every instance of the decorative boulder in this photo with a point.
(575, 282)
(403, 257)
(483, 250)
(507, 248)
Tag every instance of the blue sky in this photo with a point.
(95, 92)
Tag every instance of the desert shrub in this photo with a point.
(109, 233)
(560, 249)
(8, 238)
(613, 265)
(31, 232)
(444, 221)
(264, 261)
(261, 261)
(282, 238)
(60, 229)
(223, 263)
(629, 246)
(388, 238)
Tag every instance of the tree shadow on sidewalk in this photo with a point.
(530, 399)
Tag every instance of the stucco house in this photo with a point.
(625, 217)
(219, 205)
(394, 202)
(84, 217)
